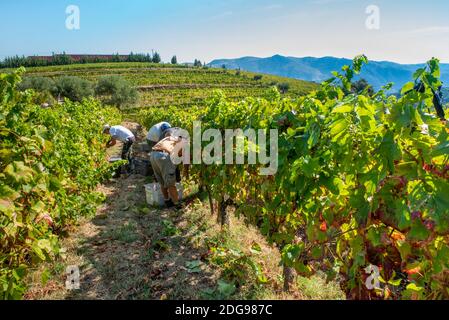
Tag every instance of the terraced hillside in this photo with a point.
(163, 85)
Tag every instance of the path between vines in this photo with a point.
(130, 251)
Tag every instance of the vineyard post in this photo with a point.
(289, 276)
(211, 201)
(223, 216)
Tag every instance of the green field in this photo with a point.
(163, 85)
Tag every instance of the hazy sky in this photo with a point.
(410, 31)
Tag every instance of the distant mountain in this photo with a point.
(319, 69)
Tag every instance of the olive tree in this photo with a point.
(73, 88)
(115, 90)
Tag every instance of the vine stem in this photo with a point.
(211, 201)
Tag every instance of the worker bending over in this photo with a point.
(161, 158)
(121, 134)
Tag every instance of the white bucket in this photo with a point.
(154, 195)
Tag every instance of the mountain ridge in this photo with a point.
(318, 69)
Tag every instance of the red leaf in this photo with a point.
(323, 226)
(413, 271)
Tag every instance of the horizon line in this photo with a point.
(2, 57)
(330, 56)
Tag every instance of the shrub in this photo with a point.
(283, 87)
(39, 84)
(43, 87)
(116, 91)
(44, 99)
(258, 77)
(73, 88)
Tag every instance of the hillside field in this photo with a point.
(163, 85)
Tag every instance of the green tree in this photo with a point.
(73, 88)
(156, 58)
(61, 59)
(360, 85)
(116, 57)
(174, 60)
(197, 63)
(116, 91)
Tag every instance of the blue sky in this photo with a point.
(410, 31)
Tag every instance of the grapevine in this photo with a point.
(362, 181)
(51, 162)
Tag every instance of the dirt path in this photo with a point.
(130, 251)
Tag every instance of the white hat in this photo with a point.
(106, 127)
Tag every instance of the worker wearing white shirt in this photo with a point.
(156, 133)
(121, 134)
